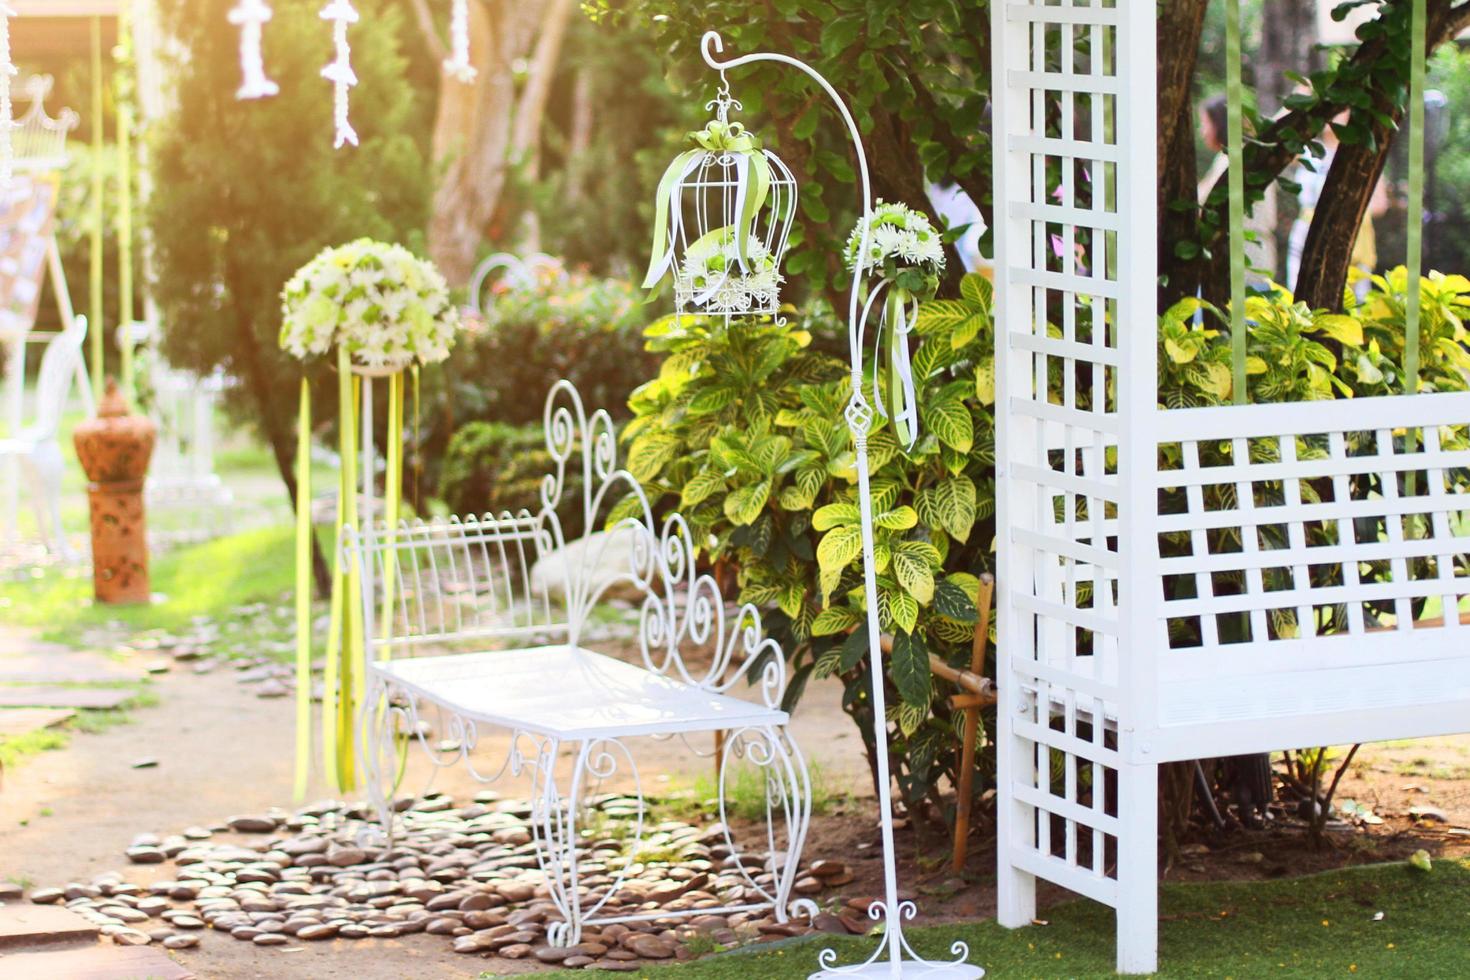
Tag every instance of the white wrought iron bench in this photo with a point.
(461, 626)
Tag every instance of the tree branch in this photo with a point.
(425, 18)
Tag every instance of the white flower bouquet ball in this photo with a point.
(903, 247)
(713, 276)
(385, 306)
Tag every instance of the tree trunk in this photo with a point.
(1350, 181)
(1288, 43)
(480, 131)
(1180, 24)
(579, 137)
(1328, 252)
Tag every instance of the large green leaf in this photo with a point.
(952, 602)
(898, 519)
(913, 564)
(977, 291)
(834, 515)
(954, 506)
(949, 419)
(650, 452)
(899, 609)
(910, 668)
(701, 486)
(835, 619)
(942, 315)
(836, 551)
(744, 505)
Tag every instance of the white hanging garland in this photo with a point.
(7, 117)
(458, 63)
(251, 16)
(342, 14)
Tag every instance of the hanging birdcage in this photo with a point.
(723, 217)
(39, 140)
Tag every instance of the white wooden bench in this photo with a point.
(470, 632)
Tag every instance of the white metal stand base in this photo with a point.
(906, 970)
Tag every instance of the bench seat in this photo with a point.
(571, 694)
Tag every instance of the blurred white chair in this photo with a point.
(38, 446)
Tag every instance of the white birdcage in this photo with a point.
(724, 213)
(39, 140)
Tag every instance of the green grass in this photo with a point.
(745, 795)
(208, 579)
(17, 748)
(1319, 926)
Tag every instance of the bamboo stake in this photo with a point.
(972, 726)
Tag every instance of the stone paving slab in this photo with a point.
(65, 668)
(95, 963)
(63, 697)
(19, 721)
(33, 925)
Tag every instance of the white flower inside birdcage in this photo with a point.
(724, 213)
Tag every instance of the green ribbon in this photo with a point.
(392, 497)
(718, 137)
(1414, 261)
(1415, 232)
(303, 592)
(1235, 147)
(902, 397)
(753, 175)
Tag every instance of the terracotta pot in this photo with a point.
(114, 449)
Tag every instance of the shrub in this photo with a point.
(584, 329)
(743, 430)
(744, 427)
(491, 467)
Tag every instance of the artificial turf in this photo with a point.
(1325, 925)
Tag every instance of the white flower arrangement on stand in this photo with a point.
(384, 310)
(904, 253)
(381, 303)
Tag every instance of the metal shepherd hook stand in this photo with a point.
(893, 958)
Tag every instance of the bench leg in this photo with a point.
(377, 751)
(788, 805)
(556, 817)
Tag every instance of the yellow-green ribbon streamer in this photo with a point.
(1415, 232)
(392, 498)
(353, 685)
(1235, 150)
(303, 592)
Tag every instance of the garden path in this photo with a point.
(218, 750)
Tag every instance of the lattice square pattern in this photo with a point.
(1060, 152)
(1356, 526)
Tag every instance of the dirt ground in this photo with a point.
(219, 750)
(68, 815)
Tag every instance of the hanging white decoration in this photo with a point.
(458, 63)
(904, 256)
(904, 259)
(342, 14)
(722, 218)
(7, 121)
(251, 16)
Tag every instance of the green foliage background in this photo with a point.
(246, 192)
(743, 430)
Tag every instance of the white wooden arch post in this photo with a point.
(1178, 584)
(1076, 272)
